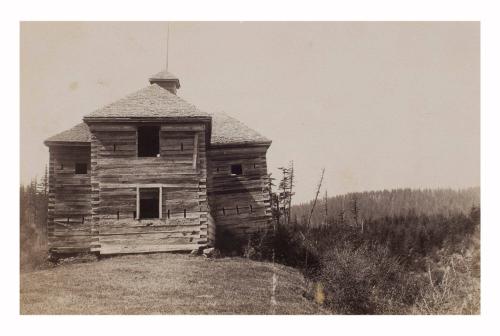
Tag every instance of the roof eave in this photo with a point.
(156, 80)
(51, 143)
(266, 144)
(90, 119)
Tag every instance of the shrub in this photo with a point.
(286, 245)
(228, 243)
(451, 284)
(364, 280)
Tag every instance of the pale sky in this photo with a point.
(378, 105)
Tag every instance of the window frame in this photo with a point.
(138, 200)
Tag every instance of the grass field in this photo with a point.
(165, 284)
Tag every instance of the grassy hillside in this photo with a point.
(165, 284)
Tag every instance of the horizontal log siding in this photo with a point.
(69, 210)
(118, 171)
(239, 204)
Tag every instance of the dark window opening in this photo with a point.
(236, 169)
(148, 141)
(80, 168)
(149, 203)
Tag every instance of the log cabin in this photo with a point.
(152, 173)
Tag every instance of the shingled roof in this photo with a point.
(77, 134)
(155, 102)
(150, 102)
(226, 131)
(229, 131)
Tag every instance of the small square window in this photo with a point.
(80, 168)
(236, 169)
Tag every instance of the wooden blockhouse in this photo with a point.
(152, 173)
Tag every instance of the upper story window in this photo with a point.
(236, 169)
(80, 168)
(148, 141)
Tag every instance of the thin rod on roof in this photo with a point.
(168, 37)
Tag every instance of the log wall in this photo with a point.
(69, 210)
(180, 172)
(200, 198)
(239, 204)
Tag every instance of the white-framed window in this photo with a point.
(148, 202)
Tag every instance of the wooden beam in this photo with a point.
(138, 204)
(146, 185)
(159, 215)
(195, 150)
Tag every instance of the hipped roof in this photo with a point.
(77, 134)
(156, 103)
(152, 101)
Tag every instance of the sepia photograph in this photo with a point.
(250, 168)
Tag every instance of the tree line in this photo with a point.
(33, 221)
(398, 251)
(355, 209)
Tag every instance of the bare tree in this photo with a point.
(355, 209)
(316, 197)
(45, 181)
(306, 241)
(326, 207)
(285, 192)
(283, 187)
(273, 199)
(341, 218)
(292, 176)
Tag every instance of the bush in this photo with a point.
(396, 265)
(451, 284)
(285, 245)
(228, 243)
(364, 280)
(385, 269)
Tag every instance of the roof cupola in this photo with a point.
(166, 80)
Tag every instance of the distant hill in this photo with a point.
(396, 202)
